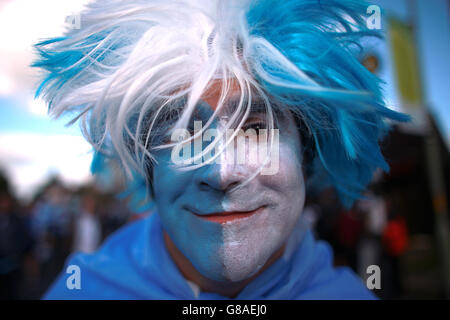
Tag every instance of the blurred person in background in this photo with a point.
(87, 234)
(15, 243)
(348, 231)
(135, 72)
(51, 225)
(369, 248)
(395, 241)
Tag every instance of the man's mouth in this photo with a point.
(224, 217)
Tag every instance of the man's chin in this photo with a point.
(226, 277)
(236, 273)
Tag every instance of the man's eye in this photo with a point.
(190, 129)
(255, 126)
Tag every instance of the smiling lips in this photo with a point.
(224, 217)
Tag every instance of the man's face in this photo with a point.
(229, 233)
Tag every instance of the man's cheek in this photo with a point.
(169, 183)
(289, 175)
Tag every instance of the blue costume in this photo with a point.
(134, 264)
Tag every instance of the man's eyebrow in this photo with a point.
(203, 110)
(257, 105)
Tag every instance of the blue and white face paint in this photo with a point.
(229, 233)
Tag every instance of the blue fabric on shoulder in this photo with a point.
(133, 263)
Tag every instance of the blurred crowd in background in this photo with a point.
(36, 239)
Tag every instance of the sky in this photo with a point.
(34, 147)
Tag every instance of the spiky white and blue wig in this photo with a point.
(135, 69)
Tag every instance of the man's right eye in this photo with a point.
(257, 126)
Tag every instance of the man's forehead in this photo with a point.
(210, 99)
(212, 95)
